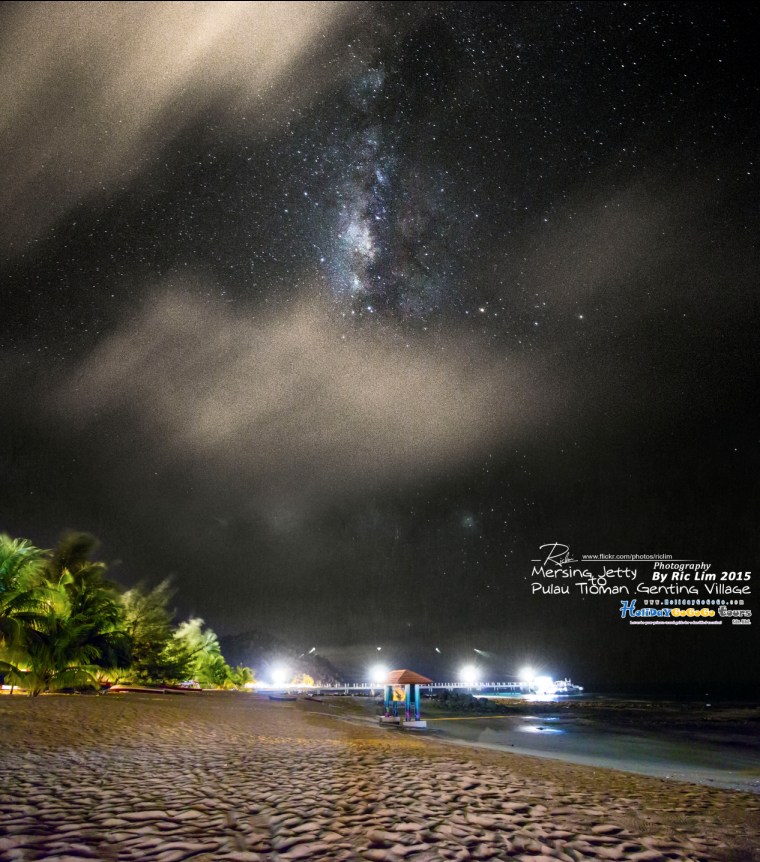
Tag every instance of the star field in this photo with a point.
(360, 303)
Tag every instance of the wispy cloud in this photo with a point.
(295, 407)
(92, 91)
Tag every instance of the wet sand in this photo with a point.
(718, 746)
(721, 755)
(233, 777)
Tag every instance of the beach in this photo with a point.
(236, 777)
(715, 744)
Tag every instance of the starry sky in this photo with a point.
(337, 312)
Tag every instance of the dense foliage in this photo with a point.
(64, 625)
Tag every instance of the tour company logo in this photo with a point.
(682, 616)
(688, 615)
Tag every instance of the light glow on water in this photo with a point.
(533, 728)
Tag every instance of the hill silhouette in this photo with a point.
(262, 652)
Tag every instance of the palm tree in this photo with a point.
(21, 572)
(65, 621)
(241, 676)
(157, 656)
(91, 605)
(54, 656)
(208, 666)
(96, 613)
(22, 597)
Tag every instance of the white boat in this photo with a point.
(565, 686)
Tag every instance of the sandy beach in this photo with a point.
(234, 777)
(717, 745)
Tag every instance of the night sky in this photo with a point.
(338, 312)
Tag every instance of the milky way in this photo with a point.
(391, 220)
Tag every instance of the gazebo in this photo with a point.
(403, 687)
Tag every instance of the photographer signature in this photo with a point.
(558, 554)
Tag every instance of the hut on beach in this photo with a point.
(402, 698)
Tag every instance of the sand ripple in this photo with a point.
(231, 778)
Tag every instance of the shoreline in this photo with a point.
(687, 775)
(720, 748)
(665, 740)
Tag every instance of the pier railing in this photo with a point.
(346, 688)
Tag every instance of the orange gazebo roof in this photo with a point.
(402, 677)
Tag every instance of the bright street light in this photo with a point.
(280, 675)
(469, 674)
(527, 675)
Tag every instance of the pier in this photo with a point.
(362, 687)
